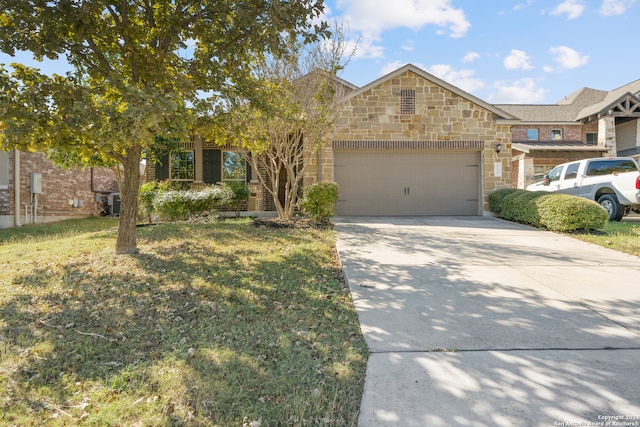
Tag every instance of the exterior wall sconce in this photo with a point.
(498, 148)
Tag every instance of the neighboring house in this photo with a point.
(405, 144)
(587, 123)
(46, 193)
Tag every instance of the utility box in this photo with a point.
(114, 203)
(36, 183)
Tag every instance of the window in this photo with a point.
(556, 134)
(606, 167)
(532, 134)
(554, 175)
(182, 166)
(540, 172)
(407, 101)
(233, 166)
(572, 171)
(592, 138)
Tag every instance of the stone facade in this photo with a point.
(65, 193)
(441, 121)
(444, 119)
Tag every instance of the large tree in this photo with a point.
(282, 134)
(140, 67)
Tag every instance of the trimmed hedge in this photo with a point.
(554, 211)
(496, 197)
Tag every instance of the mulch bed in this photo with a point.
(289, 223)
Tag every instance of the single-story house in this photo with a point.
(33, 189)
(408, 143)
(586, 123)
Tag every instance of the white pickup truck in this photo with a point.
(614, 183)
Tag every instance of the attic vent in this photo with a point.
(407, 101)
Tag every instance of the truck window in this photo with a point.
(572, 171)
(607, 167)
(554, 175)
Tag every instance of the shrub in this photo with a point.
(496, 197)
(148, 192)
(240, 193)
(554, 211)
(182, 204)
(518, 206)
(319, 201)
(561, 212)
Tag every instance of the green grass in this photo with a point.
(621, 236)
(211, 324)
(35, 232)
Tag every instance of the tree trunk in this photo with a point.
(126, 242)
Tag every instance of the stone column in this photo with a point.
(526, 173)
(637, 132)
(607, 135)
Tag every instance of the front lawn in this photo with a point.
(621, 236)
(219, 323)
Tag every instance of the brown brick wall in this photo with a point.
(570, 133)
(59, 186)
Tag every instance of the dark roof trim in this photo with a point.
(528, 147)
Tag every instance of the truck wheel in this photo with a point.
(611, 205)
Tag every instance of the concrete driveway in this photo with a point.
(475, 321)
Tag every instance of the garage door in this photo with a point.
(407, 182)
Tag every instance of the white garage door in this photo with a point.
(407, 182)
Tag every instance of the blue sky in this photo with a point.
(502, 51)
(521, 51)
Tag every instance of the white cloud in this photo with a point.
(517, 60)
(392, 66)
(372, 17)
(464, 79)
(365, 48)
(408, 45)
(615, 7)
(529, 3)
(567, 58)
(518, 7)
(523, 91)
(573, 9)
(470, 57)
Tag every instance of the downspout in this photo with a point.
(16, 188)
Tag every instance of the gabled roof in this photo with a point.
(611, 98)
(580, 104)
(433, 79)
(547, 113)
(349, 87)
(344, 82)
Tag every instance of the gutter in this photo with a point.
(16, 188)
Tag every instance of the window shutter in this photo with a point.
(212, 166)
(162, 168)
